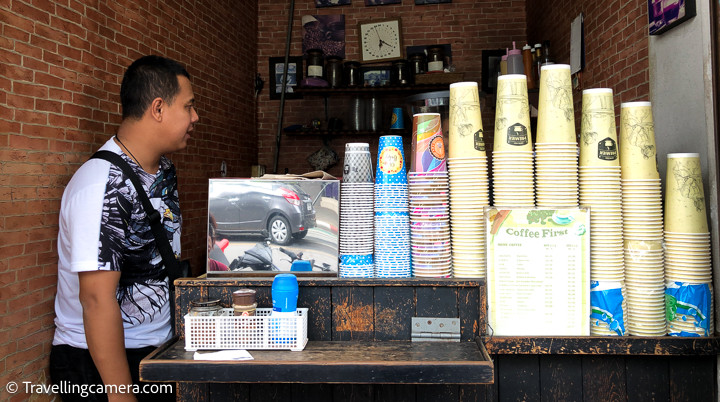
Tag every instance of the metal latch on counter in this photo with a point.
(429, 329)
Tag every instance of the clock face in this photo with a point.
(381, 41)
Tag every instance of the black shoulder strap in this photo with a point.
(163, 244)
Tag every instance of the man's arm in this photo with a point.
(104, 329)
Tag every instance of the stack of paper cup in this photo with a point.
(513, 183)
(392, 221)
(356, 213)
(645, 287)
(687, 240)
(642, 221)
(600, 189)
(468, 171)
(690, 308)
(556, 150)
(608, 308)
(429, 203)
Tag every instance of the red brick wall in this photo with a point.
(469, 25)
(616, 43)
(61, 64)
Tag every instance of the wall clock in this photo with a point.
(380, 40)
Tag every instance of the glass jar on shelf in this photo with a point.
(418, 63)
(315, 63)
(436, 59)
(399, 73)
(205, 307)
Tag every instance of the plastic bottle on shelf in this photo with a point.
(536, 62)
(515, 61)
(503, 63)
(527, 54)
(283, 328)
(546, 56)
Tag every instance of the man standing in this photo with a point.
(112, 303)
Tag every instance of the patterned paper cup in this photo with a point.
(556, 115)
(685, 210)
(358, 164)
(512, 115)
(638, 152)
(428, 146)
(466, 129)
(598, 136)
(390, 169)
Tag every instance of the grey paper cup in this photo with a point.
(358, 167)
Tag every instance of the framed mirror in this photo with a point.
(261, 227)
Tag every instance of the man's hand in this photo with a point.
(104, 329)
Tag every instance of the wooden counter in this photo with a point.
(361, 311)
(331, 363)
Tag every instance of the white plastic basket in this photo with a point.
(260, 331)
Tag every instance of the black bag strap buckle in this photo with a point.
(153, 216)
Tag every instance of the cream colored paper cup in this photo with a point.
(466, 129)
(638, 152)
(598, 135)
(512, 115)
(685, 209)
(556, 115)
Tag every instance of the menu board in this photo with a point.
(538, 271)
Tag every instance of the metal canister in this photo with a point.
(356, 118)
(373, 114)
(353, 77)
(334, 71)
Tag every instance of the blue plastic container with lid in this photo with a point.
(285, 293)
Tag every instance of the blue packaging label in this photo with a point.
(606, 305)
(690, 304)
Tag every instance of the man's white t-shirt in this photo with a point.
(104, 227)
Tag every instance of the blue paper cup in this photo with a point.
(356, 259)
(390, 167)
(396, 121)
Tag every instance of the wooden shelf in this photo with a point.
(603, 345)
(234, 280)
(330, 363)
(345, 133)
(363, 90)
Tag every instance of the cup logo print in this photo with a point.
(517, 135)
(391, 160)
(437, 147)
(479, 141)
(393, 119)
(512, 95)
(607, 149)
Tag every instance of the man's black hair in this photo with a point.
(147, 78)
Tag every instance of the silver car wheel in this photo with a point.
(279, 230)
